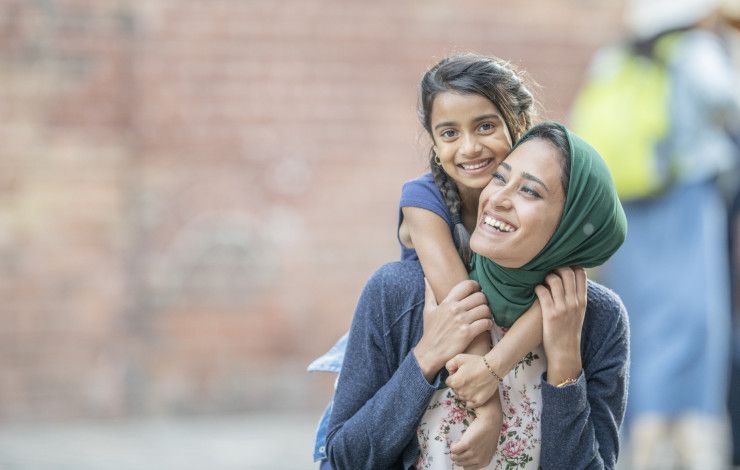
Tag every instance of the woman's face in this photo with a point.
(520, 208)
(470, 137)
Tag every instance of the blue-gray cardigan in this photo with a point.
(382, 394)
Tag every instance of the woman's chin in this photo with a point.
(484, 247)
(480, 245)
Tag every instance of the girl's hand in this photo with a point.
(476, 447)
(450, 326)
(563, 302)
(470, 379)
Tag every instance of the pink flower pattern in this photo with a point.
(447, 418)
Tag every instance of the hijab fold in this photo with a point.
(591, 229)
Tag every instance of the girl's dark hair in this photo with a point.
(474, 74)
(554, 135)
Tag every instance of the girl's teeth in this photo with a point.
(475, 166)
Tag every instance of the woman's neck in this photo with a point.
(469, 210)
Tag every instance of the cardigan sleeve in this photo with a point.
(580, 422)
(381, 393)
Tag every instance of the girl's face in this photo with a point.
(470, 137)
(521, 207)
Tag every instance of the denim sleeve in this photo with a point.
(381, 393)
(581, 422)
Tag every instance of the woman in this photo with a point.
(398, 342)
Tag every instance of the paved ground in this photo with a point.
(254, 442)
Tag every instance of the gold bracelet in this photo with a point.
(491, 370)
(565, 382)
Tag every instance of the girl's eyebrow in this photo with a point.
(477, 119)
(446, 124)
(487, 116)
(527, 176)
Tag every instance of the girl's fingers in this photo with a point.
(459, 447)
(453, 364)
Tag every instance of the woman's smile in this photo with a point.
(499, 224)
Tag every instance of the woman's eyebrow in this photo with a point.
(525, 175)
(531, 177)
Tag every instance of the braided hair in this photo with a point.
(492, 78)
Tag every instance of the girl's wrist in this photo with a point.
(496, 367)
(493, 367)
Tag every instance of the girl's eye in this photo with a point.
(531, 192)
(448, 134)
(499, 178)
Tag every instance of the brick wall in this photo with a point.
(193, 193)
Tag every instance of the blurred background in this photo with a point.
(192, 195)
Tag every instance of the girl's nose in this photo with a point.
(471, 147)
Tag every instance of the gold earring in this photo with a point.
(437, 160)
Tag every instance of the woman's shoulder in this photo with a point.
(605, 311)
(398, 280)
(393, 291)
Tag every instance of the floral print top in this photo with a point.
(447, 418)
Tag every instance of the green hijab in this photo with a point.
(592, 227)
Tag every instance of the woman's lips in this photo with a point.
(495, 224)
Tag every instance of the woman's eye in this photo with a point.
(531, 192)
(448, 134)
(499, 178)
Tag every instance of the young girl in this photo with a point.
(474, 108)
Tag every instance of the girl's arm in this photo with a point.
(470, 375)
(430, 236)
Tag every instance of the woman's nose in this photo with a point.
(500, 198)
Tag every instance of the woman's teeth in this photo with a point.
(497, 224)
(475, 166)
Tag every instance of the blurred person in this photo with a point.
(550, 204)
(672, 272)
(730, 32)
